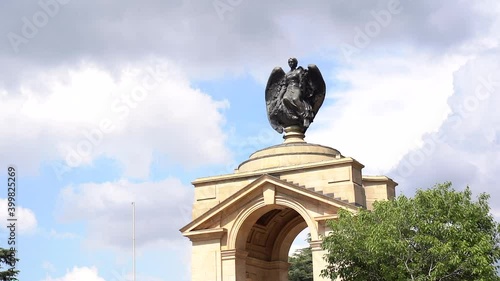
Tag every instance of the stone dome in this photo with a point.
(288, 154)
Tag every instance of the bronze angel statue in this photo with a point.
(294, 98)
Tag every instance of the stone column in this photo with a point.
(319, 262)
(234, 265)
(282, 268)
(205, 261)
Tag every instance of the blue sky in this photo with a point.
(107, 102)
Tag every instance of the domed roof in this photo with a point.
(288, 154)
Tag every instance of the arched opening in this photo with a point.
(300, 242)
(266, 237)
(300, 258)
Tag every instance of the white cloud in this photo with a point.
(59, 106)
(88, 113)
(466, 148)
(26, 219)
(79, 274)
(495, 212)
(61, 235)
(126, 275)
(162, 208)
(48, 266)
(210, 45)
(389, 104)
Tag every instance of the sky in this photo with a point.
(104, 103)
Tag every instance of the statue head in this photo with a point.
(292, 62)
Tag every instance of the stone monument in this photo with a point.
(243, 224)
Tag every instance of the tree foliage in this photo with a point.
(7, 259)
(440, 234)
(301, 267)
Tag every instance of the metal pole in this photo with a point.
(133, 239)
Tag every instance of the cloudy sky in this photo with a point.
(107, 102)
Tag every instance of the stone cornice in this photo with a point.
(255, 174)
(206, 234)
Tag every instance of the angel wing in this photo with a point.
(273, 89)
(318, 86)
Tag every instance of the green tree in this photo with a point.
(7, 259)
(440, 234)
(301, 268)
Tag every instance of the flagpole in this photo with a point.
(133, 239)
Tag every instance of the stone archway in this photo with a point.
(267, 242)
(244, 223)
(264, 230)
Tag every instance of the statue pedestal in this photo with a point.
(293, 134)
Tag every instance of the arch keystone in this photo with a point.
(269, 194)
